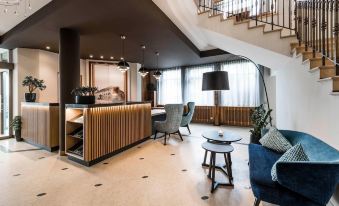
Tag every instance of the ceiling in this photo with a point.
(100, 26)
(9, 20)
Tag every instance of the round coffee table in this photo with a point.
(218, 149)
(227, 137)
(214, 137)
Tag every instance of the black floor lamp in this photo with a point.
(218, 80)
(215, 81)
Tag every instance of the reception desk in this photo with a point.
(40, 124)
(96, 132)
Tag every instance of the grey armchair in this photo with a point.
(172, 123)
(187, 117)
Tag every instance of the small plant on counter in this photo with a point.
(32, 84)
(84, 94)
(260, 119)
(16, 126)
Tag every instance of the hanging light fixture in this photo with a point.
(142, 71)
(157, 74)
(123, 66)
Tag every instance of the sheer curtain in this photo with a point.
(169, 87)
(244, 82)
(193, 85)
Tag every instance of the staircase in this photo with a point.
(295, 28)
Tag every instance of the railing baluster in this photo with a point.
(336, 36)
(314, 22)
(272, 13)
(327, 28)
(323, 29)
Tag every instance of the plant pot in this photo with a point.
(17, 134)
(30, 97)
(254, 139)
(85, 99)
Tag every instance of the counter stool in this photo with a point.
(220, 149)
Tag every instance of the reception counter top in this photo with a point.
(103, 105)
(39, 104)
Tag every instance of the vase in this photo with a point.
(254, 139)
(84, 99)
(30, 97)
(17, 134)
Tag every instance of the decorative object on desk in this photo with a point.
(221, 132)
(157, 73)
(16, 126)
(32, 84)
(123, 66)
(260, 119)
(110, 94)
(84, 95)
(142, 71)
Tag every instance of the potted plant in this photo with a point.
(260, 119)
(16, 126)
(84, 95)
(32, 84)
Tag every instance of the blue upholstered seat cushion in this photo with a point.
(295, 154)
(275, 141)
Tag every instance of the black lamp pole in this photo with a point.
(263, 80)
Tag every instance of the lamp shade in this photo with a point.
(214, 81)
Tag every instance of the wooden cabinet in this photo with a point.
(40, 124)
(97, 132)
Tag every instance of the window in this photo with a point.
(193, 86)
(244, 84)
(170, 87)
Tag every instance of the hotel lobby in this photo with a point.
(169, 102)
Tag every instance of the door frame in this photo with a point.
(10, 68)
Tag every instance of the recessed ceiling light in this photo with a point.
(91, 56)
(48, 47)
(101, 57)
(111, 57)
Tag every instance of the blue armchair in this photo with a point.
(187, 117)
(299, 183)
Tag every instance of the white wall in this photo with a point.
(42, 65)
(304, 104)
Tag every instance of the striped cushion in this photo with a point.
(295, 154)
(275, 141)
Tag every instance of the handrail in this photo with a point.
(315, 22)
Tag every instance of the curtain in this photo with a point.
(244, 80)
(169, 87)
(193, 85)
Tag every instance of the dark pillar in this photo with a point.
(69, 75)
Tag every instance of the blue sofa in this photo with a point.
(299, 183)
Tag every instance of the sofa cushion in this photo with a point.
(275, 141)
(295, 154)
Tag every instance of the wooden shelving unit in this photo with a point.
(74, 123)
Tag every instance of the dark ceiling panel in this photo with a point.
(101, 23)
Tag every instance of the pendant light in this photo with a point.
(142, 71)
(123, 66)
(157, 74)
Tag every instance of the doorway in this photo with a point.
(5, 100)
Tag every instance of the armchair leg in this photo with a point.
(256, 202)
(180, 136)
(165, 139)
(155, 134)
(188, 128)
